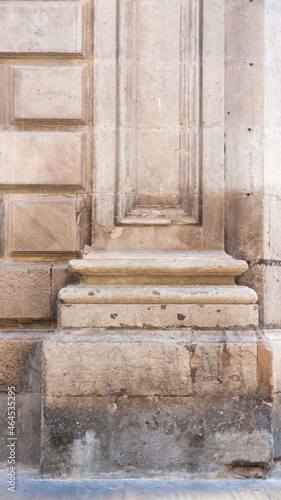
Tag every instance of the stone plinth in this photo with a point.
(157, 291)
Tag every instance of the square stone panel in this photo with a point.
(44, 225)
(25, 293)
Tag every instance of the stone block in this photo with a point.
(153, 436)
(213, 90)
(48, 27)
(104, 141)
(45, 225)
(157, 316)
(140, 368)
(274, 338)
(277, 426)
(61, 277)
(245, 216)
(28, 429)
(105, 29)
(25, 293)
(158, 102)
(244, 41)
(2, 226)
(247, 109)
(213, 160)
(244, 160)
(20, 365)
(225, 367)
(272, 153)
(54, 93)
(272, 291)
(158, 148)
(158, 31)
(105, 94)
(272, 229)
(55, 158)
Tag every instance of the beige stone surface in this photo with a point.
(45, 225)
(272, 250)
(49, 93)
(150, 316)
(157, 295)
(25, 292)
(244, 172)
(274, 337)
(42, 158)
(225, 367)
(48, 27)
(138, 368)
(149, 99)
(150, 265)
(272, 291)
(61, 277)
(256, 446)
(249, 46)
(245, 240)
(20, 365)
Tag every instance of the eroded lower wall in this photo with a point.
(174, 403)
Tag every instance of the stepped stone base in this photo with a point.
(158, 291)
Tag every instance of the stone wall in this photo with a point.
(46, 148)
(144, 160)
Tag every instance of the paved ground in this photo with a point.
(33, 488)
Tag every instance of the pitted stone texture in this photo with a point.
(61, 277)
(272, 291)
(2, 226)
(28, 429)
(153, 436)
(30, 158)
(152, 315)
(25, 292)
(54, 93)
(140, 368)
(147, 367)
(48, 27)
(127, 294)
(245, 240)
(45, 225)
(274, 337)
(225, 368)
(20, 365)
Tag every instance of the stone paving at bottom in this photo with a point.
(34, 488)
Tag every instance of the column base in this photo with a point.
(157, 291)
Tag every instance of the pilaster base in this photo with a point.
(158, 291)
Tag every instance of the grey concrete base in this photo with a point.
(30, 486)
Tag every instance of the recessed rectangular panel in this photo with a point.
(44, 158)
(158, 110)
(44, 225)
(42, 27)
(49, 93)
